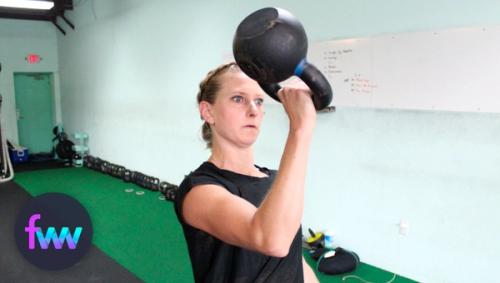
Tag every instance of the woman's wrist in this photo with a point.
(301, 132)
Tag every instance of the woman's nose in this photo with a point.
(253, 109)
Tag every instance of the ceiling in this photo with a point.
(60, 6)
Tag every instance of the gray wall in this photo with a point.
(18, 39)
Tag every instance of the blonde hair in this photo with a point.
(209, 87)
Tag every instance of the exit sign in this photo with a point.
(33, 58)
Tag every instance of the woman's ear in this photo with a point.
(206, 112)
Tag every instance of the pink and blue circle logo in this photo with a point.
(53, 231)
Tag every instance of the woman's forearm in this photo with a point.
(280, 214)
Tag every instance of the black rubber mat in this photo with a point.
(39, 165)
(95, 266)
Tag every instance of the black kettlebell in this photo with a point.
(270, 45)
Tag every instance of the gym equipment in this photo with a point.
(105, 167)
(6, 170)
(113, 170)
(94, 163)
(127, 176)
(316, 240)
(81, 149)
(120, 172)
(168, 190)
(145, 181)
(270, 45)
(154, 183)
(77, 160)
(329, 260)
(86, 161)
(64, 147)
(138, 178)
(337, 261)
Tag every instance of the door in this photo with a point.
(34, 108)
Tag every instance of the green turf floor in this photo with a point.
(141, 232)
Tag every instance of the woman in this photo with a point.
(241, 221)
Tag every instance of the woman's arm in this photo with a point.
(309, 276)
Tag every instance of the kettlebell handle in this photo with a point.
(313, 78)
(270, 45)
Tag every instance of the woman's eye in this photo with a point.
(237, 98)
(259, 101)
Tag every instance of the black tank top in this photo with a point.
(216, 261)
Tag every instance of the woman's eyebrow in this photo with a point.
(258, 95)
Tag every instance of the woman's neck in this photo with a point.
(234, 159)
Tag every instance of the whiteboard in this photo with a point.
(449, 70)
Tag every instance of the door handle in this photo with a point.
(18, 114)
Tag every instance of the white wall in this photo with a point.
(19, 38)
(129, 76)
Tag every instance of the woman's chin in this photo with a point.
(248, 141)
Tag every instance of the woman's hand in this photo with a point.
(299, 108)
